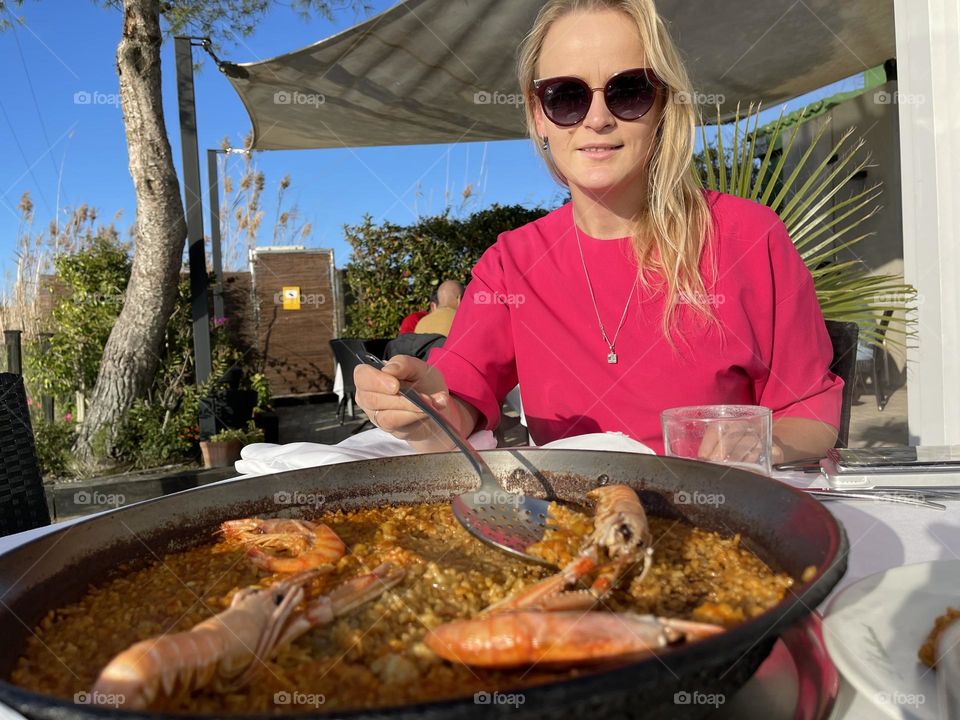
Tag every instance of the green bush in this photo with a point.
(53, 443)
(393, 269)
(94, 280)
(250, 434)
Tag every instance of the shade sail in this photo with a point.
(443, 71)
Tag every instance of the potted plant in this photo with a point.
(223, 449)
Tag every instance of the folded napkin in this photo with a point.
(266, 458)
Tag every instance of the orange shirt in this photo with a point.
(439, 321)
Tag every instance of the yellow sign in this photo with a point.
(291, 298)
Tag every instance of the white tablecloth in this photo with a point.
(882, 535)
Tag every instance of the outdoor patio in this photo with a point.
(629, 574)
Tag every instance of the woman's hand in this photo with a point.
(793, 438)
(378, 394)
(732, 443)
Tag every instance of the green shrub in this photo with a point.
(53, 442)
(393, 269)
(94, 280)
(250, 434)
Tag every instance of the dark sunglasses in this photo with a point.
(629, 95)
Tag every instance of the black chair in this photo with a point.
(418, 345)
(843, 336)
(345, 352)
(23, 505)
(872, 358)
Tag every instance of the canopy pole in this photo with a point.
(213, 191)
(929, 113)
(199, 303)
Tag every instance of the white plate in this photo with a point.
(874, 628)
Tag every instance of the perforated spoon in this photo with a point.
(510, 522)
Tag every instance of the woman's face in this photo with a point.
(593, 46)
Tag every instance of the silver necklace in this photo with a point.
(611, 344)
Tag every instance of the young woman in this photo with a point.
(644, 292)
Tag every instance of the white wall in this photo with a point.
(928, 68)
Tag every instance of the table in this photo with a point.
(882, 535)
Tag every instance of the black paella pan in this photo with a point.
(786, 528)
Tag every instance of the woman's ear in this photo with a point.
(539, 120)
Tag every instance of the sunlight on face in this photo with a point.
(593, 46)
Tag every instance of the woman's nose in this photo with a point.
(599, 115)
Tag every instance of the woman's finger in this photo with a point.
(368, 379)
(746, 447)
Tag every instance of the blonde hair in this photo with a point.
(671, 234)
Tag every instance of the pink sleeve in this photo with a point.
(800, 383)
(478, 359)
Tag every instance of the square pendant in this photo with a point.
(612, 358)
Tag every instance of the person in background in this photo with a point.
(409, 323)
(448, 300)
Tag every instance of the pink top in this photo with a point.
(527, 316)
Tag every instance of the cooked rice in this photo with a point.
(375, 655)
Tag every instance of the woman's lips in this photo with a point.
(599, 153)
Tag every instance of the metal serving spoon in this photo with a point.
(510, 522)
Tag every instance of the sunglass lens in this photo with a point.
(566, 102)
(630, 96)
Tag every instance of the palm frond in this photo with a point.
(819, 221)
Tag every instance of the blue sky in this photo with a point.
(68, 153)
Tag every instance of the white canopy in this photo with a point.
(442, 71)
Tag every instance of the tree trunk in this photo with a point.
(130, 358)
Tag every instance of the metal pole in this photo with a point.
(47, 400)
(14, 356)
(213, 191)
(199, 282)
